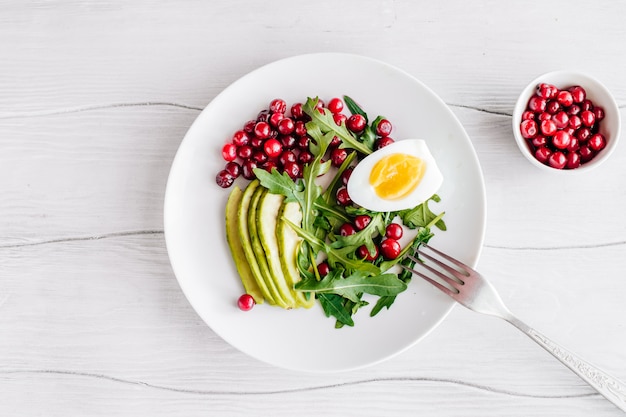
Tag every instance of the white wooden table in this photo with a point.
(95, 97)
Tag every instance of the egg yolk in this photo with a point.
(395, 176)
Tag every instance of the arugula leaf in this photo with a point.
(332, 304)
(365, 237)
(354, 285)
(326, 124)
(278, 183)
(422, 216)
(345, 257)
(383, 302)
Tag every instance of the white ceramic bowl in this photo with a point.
(596, 92)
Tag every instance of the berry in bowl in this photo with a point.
(565, 121)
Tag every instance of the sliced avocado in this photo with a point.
(246, 243)
(236, 248)
(257, 248)
(288, 244)
(267, 215)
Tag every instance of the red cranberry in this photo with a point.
(246, 302)
(248, 127)
(561, 139)
(528, 129)
(552, 106)
(286, 157)
(337, 156)
(241, 138)
(548, 127)
(256, 142)
(382, 142)
(363, 253)
(583, 134)
(262, 130)
(528, 115)
(586, 154)
(356, 123)
(537, 104)
(390, 248)
(224, 179)
(574, 122)
(303, 142)
(565, 98)
(547, 90)
(597, 142)
(300, 128)
(340, 118)
(247, 169)
(345, 176)
(229, 152)
(393, 231)
(269, 165)
(574, 109)
(335, 142)
(278, 106)
(573, 160)
(578, 94)
(234, 168)
(557, 160)
(275, 119)
(335, 105)
(305, 157)
(574, 145)
(542, 154)
(258, 156)
(539, 141)
(296, 111)
(598, 112)
(292, 169)
(272, 148)
(383, 128)
(263, 116)
(323, 269)
(586, 105)
(561, 119)
(288, 141)
(588, 118)
(544, 116)
(343, 198)
(347, 229)
(244, 152)
(286, 126)
(361, 221)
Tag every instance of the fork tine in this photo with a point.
(443, 288)
(451, 282)
(450, 259)
(459, 275)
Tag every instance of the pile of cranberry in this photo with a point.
(561, 127)
(278, 138)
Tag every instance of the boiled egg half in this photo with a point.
(399, 176)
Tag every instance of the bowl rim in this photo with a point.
(588, 82)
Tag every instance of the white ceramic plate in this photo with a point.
(194, 214)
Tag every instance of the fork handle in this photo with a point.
(610, 387)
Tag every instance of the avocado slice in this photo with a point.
(257, 247)
(246, 243)
(288, 246)
(267, 217)
(236, 248)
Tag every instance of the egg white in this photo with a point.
(362, 193)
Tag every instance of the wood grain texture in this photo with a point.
(95, 99)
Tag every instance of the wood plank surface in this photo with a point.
(95, 98)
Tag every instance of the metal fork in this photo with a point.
(469, 288)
